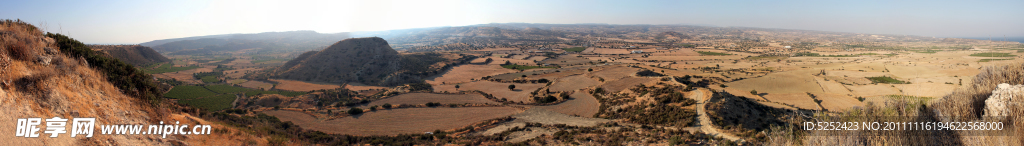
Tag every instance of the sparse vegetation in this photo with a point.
(712, 53)
(886, 80)
(523, 67)
(992, 55)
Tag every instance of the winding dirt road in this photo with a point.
(704, 122)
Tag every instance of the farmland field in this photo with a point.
(712, 53)
(167, 67)
(582, 104)
(575, 49)
(214, 103)
(992, 55)
(397, 121)
(625, 83)
(499, 90)
(293, 85)
(463, 73)
(189, 92)
(573, 83)
(423, 98)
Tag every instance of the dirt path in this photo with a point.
(705, 123)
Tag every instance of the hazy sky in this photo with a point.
(137, 21)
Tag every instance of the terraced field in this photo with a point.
(397, 121)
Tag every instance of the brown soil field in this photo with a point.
(550, 74)
(498, 49)
(499, 90)
(500, 61)
(831, 86)
(581, 104)
(838, 102)
(625, 83)
(611, 51)
(397, 121)
(185, 75)
(423, 98)
(615, 72)
(257, 85)
(784, 82)
(361, 87)
(874, 90)
(293, 85)
(573, 83)
(800, 100)
(742, 93)
(543, 116)
(463, 73)
(566, 60)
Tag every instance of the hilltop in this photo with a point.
(137, 55)
(364, 60)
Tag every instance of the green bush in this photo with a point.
(355, 111)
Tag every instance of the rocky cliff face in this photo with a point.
(364, 60)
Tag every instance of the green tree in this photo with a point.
(511, 87)
(753, 92)
(456, 87)
(386, 106)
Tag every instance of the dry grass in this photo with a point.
(397, 121)
(573, 83)
(292, 85)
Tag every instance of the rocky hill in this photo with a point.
(366, 60)
(137, 55)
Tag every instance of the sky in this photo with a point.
(137, 21)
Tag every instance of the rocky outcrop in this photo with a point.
(1003, 98)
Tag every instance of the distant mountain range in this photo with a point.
(500, 34)
(290, 40)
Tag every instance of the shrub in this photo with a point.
(355, 111)
(542, 80)
(386, 106)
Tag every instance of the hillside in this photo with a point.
(52, 75)
(137, 55)
(365, 60)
